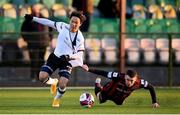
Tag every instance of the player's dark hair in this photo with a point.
(131, 73)
(78, 14)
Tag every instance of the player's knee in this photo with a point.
(62, 86)
(102, 101)
(63, 82)
(99, 97)
(43, 76)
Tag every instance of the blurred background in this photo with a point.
(152, 39)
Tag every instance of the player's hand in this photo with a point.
(66, 58)
(28, 17)
(155, 105)
(85, 67)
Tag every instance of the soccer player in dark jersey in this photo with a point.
(120, 86)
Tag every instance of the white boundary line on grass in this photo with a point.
(90, 114)
(44, 88)
(30, 88)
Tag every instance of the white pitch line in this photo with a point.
(30, 88)
(43, 88)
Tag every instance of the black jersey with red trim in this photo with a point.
(117, 91)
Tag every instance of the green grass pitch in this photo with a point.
(38, 101)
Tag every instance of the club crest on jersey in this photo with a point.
(115, 74)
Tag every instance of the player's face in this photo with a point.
(130, 81)
(75, 23)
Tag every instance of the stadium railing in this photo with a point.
(11, 54)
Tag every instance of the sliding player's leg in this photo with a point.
(98, 91)
(98, 86)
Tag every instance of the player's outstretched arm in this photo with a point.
(95, 71)
(153, 95)
(42, 21)
(109, 75)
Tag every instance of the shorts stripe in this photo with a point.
(64, 74)
(48, 67)
(64, 71)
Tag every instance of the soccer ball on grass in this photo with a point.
(86, 100)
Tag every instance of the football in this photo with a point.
(86, 100)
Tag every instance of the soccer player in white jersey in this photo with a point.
(67, 54)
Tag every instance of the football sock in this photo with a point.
(98, 88)
(60, 93)
(98, 80)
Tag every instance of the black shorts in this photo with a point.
(104, 93)
(107, 94)
(53, 63)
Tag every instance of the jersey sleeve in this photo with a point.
(77, 62)
(110, 75)
(59, 26)
(77, 55)
(149, 87)
(44, 21)
(144, 83)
